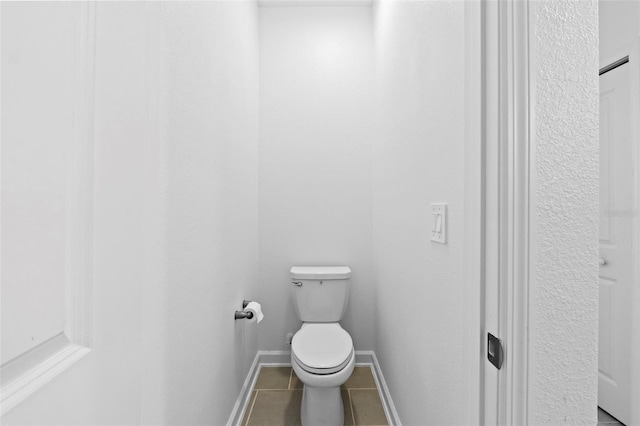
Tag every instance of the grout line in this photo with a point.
(353, 415)
(276, 389)
(361, 388)
(255, 398)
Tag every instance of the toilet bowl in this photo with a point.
(323, 358)
(322, 353)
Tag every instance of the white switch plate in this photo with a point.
(439, 223)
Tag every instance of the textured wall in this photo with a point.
(564, 288)
(417, 160)
(316, 93)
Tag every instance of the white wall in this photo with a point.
(418, 159)
(619, 22)
(176, 197)
(563, 346)
(316, 94)
(209, 177)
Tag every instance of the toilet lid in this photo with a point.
(322, 348)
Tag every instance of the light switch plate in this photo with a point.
(439, 223)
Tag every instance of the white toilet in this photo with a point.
(322, 352)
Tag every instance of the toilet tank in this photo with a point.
(320, 293)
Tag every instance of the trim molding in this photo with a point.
(240, 407)
(33, 369)
(283, 358)
(40, 374)
(79, 217)
(385, 394)
(634, 64)
(517, 139)
(507, 99)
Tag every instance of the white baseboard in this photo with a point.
(244, 396)
(385, 395)
(283, 358)
(275, 358)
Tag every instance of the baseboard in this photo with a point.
(244, 396)
(385, 395)
(275, 358)
(283, 358)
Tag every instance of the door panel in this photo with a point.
(616, 215)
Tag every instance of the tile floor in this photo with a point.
(276, 397)
(604, 419)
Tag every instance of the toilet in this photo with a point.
(322, 353)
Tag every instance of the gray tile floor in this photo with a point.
(604, 419)
(277, 394)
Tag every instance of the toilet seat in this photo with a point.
(322, 348)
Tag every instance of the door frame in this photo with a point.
(634, 72)
(508, 96)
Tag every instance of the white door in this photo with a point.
(616, 216)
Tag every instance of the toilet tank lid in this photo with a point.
(320, 272)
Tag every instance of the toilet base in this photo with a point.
(321, 396)
(322, 406)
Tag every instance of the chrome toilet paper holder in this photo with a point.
(242, 314)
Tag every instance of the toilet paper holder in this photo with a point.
(243, 314)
